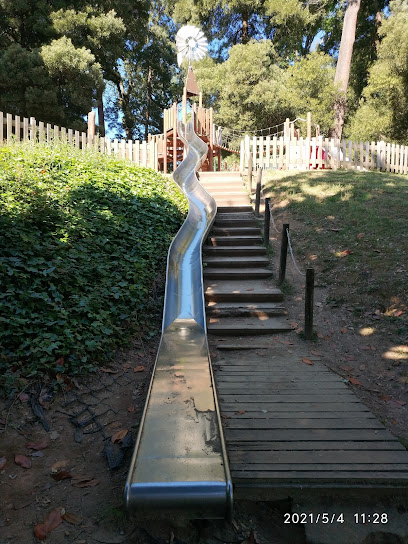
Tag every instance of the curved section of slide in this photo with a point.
(179, 466)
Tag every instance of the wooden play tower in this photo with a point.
(170, 148)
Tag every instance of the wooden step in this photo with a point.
(237, 251)
(242, 326)
(236, 262)
(228, 223)
(234, 240)
(241, 291)
(234, 273)
(235, 209)
(245, 309)
(235, 231)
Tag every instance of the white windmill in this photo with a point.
(190, 43)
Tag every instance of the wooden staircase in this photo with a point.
(241, 299)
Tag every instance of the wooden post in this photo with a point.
(283, 252)
(164, 151)
(267, 221)
(250, 173)
(309, 125)
(286, 128)
(174, 136)
(309, 297)
(258, 191)
(91, 127)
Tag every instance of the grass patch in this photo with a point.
(353, 231)
(82, 255)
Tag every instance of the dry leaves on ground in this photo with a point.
(307, 361)
(23, 461)
(119, 435)
(53, 520)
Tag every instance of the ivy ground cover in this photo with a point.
(83, 246)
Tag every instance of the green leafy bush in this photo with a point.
(84, 239)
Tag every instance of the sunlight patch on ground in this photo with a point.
(367, 331)
(396, 353)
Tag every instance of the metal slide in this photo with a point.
(180, 466)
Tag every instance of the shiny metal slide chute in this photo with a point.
(179, 466)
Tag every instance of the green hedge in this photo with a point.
(84, 240)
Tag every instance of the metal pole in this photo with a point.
(267, 221)
(309, 297)
(258, 191)
(283, 253)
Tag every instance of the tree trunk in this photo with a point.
(148, 102)
(245, 32)
(101, 113)
(341, 78)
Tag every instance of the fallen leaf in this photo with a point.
(3, 462)
(307, 361)
(240, 412)
(60, 361)
(293, 324)
(71, 518)
(335, 230)
(360, 235)
(362, 367)
(61, 475)
(126, 366)
(108, 370)
(299, 330)
(84, 481)
(36, 445)
(140, 354)
(320, 335)
(385, 397)
(131, 409)
(350, 357)
(315, 352)
(53, 520)
(346, 252)
(139, 368)
(347, 368)
(118, 436)
(248, 289)
(343, 330)
(354, 381)
(22, 460)
(24, 397)
(59, 465)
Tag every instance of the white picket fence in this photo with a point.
(142, 153)
(318, 153)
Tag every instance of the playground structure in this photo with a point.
(170, 148)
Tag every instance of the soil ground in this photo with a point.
(92, 425)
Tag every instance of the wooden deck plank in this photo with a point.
(316, 445)
(289, 415)
(286, 409)
(351, 478)
(302, 423)
(317, 458)
(308, 435)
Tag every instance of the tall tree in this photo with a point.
(342, 75)
(383, 109)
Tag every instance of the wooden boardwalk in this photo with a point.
(288, 425)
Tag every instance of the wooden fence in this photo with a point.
(317, 153)
(143, 153)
